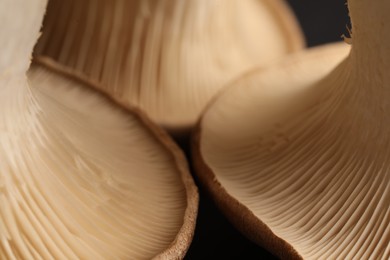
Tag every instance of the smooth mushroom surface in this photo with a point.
(80, 176)
(297, 155)
(167, 57)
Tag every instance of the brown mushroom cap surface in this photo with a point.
(167, 57)
(80, 176)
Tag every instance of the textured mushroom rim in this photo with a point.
(246, 222)
(289, 24)
(182, 241)
(237, 213)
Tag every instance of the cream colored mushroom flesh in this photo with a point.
(81, 177)
(297, 155)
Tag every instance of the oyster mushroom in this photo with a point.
(80, 176)
(167, 57)
(297, 155)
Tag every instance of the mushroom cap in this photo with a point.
(167, 57)
(82, 177)
(273, 152)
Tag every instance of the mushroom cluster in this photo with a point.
(86, 175)
(293, 148)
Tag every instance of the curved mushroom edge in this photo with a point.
(179, 247)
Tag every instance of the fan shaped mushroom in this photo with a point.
(167, 57)
(297, 155)
(80, 176)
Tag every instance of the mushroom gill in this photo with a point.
(297, 155)
(167, 57)
(81, 177)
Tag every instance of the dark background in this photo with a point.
(322, 21)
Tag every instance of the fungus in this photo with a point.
(167, 57)
(297, 155)
(80, 176)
